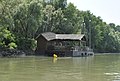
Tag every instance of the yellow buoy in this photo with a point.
(55, 56)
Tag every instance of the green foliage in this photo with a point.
(27, 19)
(12, 45)
(7, 39)
(101, 37)
(26, 44)
(22, 20)
(56, 3)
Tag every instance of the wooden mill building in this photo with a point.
(67, 45)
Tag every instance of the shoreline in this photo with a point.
(15, 53)
(105, 53)
(29, 53)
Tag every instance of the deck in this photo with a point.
(70, 53)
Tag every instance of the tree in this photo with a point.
(23, 20)
(56, 3)
(27, 20)
(73, 19)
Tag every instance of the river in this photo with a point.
(95, 68)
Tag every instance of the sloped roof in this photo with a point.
(49, 36)
(52, 36)
(69, 36)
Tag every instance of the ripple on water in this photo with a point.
(115, 75)
(112, 73)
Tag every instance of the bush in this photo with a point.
(26, 44)
(7, 39)
(12, 45)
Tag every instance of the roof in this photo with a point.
(52, 36)
(49, 36)
(69, 36)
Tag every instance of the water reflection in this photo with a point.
(55, 60)
(97, 68)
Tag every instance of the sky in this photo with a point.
(108, 10)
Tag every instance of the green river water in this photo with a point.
(96, 68)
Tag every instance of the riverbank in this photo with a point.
(105, 53)
(22, 53)
(14, 53)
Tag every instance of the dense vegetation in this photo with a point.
(22, 20)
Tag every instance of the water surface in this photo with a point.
(96, 68)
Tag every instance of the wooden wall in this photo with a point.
(41, 45)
